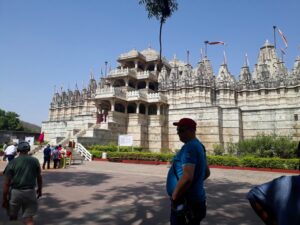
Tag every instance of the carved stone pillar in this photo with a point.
(126, 105)
(138, 108)
(112, 103)
(158, 109)
(146, 110)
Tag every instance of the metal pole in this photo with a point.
(206, 42)
(274, 35)
(105, 68)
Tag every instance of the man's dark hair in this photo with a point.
(23, 146)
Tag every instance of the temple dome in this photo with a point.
(150, 52)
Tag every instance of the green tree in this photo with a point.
(161, 10)
(3, 120)
(10, 121)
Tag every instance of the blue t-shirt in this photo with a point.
(281, 198)
(191, 153)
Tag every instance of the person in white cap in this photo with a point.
(10, 151)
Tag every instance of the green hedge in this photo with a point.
(223, 160)
(113, 148)
(162, 157)
(255, 162)
(274, 163)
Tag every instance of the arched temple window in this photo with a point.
(153, 86)
(119, 83)
(119, 107)
(131, 108)
(152, 110)
(131, 83)
(151, 67)
(141, 85)
(142, 109)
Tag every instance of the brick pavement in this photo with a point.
(134, 194)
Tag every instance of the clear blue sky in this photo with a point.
(44, 43)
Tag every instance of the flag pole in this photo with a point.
(201, 54)
(206, 42)
(225, 57)
(274, 35)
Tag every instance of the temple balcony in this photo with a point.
(156, 97)
(122, 73)
(147, 75)
(105, 93)
(136, 96)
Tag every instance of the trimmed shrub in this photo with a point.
(218, 149)
(273, 163)
(223, 160)
(147, 156)
(267, 146)
(113, 148)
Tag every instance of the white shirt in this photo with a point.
(11, 150)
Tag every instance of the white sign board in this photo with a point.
(125, 140)
(15, 140)
(30, 140)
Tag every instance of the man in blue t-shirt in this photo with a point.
(186, 177)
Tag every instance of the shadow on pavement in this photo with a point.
(95, 198)
(227, 204)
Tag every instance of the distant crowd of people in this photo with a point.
(56, 153)
(51, 152)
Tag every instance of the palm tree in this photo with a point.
(161, 10)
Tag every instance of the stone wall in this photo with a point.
(157, 132)
(279, 121)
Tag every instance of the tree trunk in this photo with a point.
(160, 44)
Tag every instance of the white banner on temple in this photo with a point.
(125, 140)
(30, 140)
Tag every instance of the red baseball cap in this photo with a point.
(186, 122)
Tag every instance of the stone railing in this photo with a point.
(156, 97)
(110, 92)
(136, 95)
(122, 72)
(146, 74)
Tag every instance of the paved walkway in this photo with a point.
(132, 194)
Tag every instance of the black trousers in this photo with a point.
(56, 163)
(46, 160)
(193, 215)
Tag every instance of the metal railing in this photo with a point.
(83, 152)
